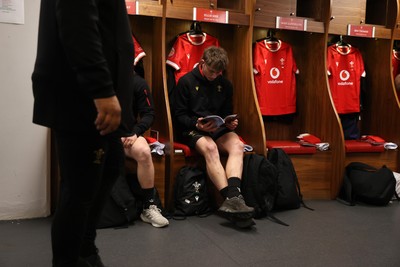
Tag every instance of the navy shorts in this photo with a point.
(191, 138)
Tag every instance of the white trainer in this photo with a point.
(153, 215)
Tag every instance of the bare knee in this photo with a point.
(211, 151)
(236, 147)
(142, 154)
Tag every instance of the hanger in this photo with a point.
(195, 28)
(396, 46)
(341, 42)
(270, 37)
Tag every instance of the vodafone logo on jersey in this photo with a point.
(274, 73)
(344, 75)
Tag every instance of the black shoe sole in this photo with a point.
(244, 223)
(237, 215)
(240, 222)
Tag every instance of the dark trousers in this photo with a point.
(89, 166)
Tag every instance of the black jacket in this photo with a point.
(197, 97)
(85, 51)
(143, 107)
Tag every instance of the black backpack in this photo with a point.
(259, 184)
(289, 194)
(190, 193)
(124, 205)
(367, 184)
(121, 207)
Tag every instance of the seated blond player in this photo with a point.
(205, 91)
(136, 147)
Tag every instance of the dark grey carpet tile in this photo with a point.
(332, 235)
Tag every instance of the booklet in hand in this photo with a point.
(219, 121)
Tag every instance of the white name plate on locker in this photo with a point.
(132, 7)
(210, 15)
(361, 31)
(290, 23)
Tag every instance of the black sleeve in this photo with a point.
(171, 84)
(181, 105)
(144, 106)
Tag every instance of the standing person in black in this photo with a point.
(82, 87)
(205, 91)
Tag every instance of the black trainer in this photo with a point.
(236, 207)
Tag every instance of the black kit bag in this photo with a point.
(121, 207)
(367, 184)
(259, 184)
(124, 205)
(190, 193)
(289, 194)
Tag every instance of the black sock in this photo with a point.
(148, 197)
(233, 188)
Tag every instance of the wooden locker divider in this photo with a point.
(315, 114)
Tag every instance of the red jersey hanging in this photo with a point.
(345, 69)
(139, 52)
(187, 51)
(274, 70)
(396, 62)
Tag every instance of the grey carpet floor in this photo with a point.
(331, 235)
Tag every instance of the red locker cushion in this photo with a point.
(291, 147)
(186, 150)
(360, 146)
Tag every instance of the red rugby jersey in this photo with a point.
(345, 69)
(396, 62)
(139, 52)
(274, 70)
(187, 51)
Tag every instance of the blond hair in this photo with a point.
(216, 58)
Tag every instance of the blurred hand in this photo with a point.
(208, 127)
(108, 114)
(232, 124)
(129, 141)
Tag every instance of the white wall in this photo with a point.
(24, 164)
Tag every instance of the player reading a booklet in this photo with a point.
(205, 91)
